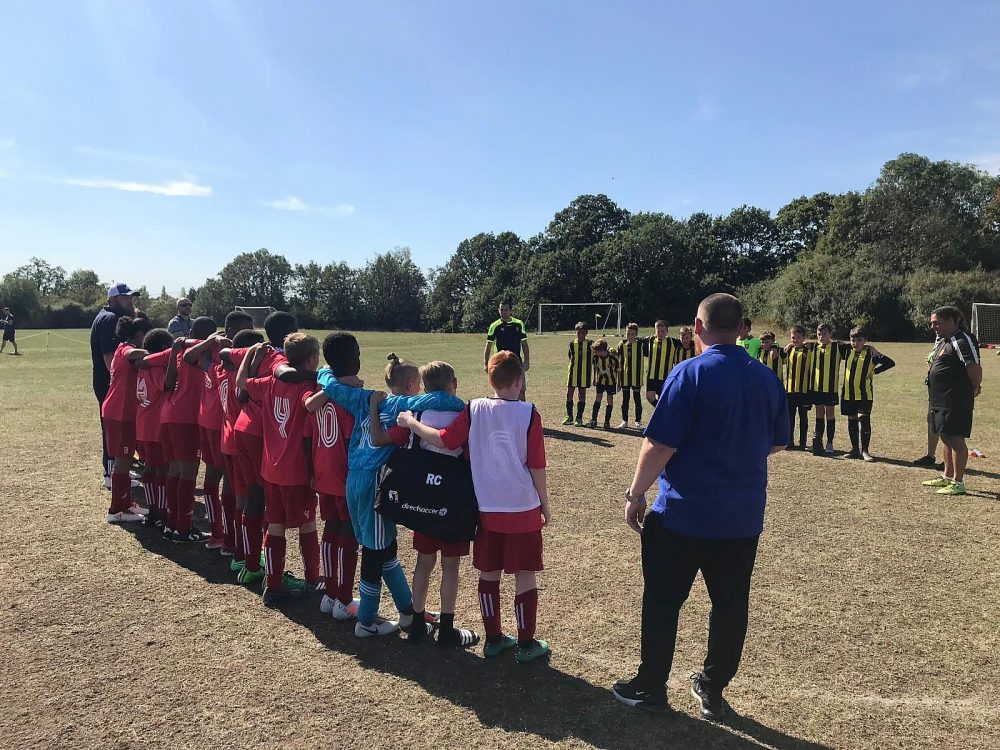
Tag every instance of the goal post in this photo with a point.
(259, 314)
(986, 322)
(606, 314)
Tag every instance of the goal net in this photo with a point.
(259, 314)
(986, 322)
(558, 317)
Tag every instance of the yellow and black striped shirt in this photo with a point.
(581, 353)
(859, 371)
(798, 370)
(680, 353)
(774, 360)
(630, 357)
(661, 357)
(606, 369)
(826, 364)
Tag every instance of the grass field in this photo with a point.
(874, 617)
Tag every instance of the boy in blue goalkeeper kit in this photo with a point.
(376, 535)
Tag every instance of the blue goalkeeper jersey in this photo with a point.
(361, 454)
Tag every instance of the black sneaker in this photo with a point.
(190, 536)
(712, 706)
(924, 461)
(817, 449)
(632, 694)
(274, 597)
(853, 454)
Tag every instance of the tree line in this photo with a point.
(925, 233)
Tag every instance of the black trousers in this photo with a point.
(670, 563)
(107, 462)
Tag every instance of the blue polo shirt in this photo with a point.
(722, 411)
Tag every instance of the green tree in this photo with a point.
(21, 295)
(259, 278)
(84, 287)
(804, 220)
(751, 245)
(391, 290)
(48, 279)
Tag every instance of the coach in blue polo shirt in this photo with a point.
(721, 415)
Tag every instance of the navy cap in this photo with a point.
(118, 290)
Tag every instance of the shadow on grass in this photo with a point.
(539, 699)
(971, 470)
(576, 437)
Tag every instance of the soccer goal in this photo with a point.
(986, 322)
(554, 316)
(259, 314)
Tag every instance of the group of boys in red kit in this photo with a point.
(214, 397)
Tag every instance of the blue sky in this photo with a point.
(153, 141)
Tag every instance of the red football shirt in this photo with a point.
(225, 383)
(330, 430)
(249, 420)
(210, 410)
(283, 417)
(119, 404)
(457, 434)
(150, 397)
(183, 402)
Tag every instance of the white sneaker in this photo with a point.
(638, 424)
(379, 627)
(866, 456)
(124, 517)
(342, 612)
(138, 510)
(134, 475)
(326, 604)
(623, 425)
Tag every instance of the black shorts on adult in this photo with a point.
(825, 399)
(608, 389)
(800, 400)
(952, 422)
(9, 336)
(656, 386)
(853, 408)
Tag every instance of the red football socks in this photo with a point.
(238, 534)
(228, 517)
(253, 535)
(347, 562)
(213, 508)
(121, 492)
(526, 612)
(489, 605)
(274, 560)
(328, 551)
(309, 547)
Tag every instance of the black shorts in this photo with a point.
(608, 389)
(825, 399)
(952, 422)
(654, 385)
(800, 400)
(9, 336)
(854, 408)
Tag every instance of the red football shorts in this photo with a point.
(289, 506)
(507, 552)
(233, 475)
(180, 442)
(211, 446)
(333, 508)
(151, 454)
(119, 437)
(428, 545)
(250, 457)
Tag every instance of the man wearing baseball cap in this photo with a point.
(121, 301)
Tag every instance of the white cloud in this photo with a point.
(988, 162)
(296, 204)
(173, 189)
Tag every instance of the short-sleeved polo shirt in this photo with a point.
(103, 341)
(507, 337)
(722, 412)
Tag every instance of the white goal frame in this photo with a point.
(990, 332)
(255, 313)
(611, 307)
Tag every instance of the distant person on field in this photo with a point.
(180, 324)
(606, 369)
(659, 350)
(861, 364)
(720, 416)
(684, 347)
(954, 381)
(630, 358)
(508, 334)
(580, 353)
(826, 357)
(103, 343)
(9, 333)
(748, 342)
